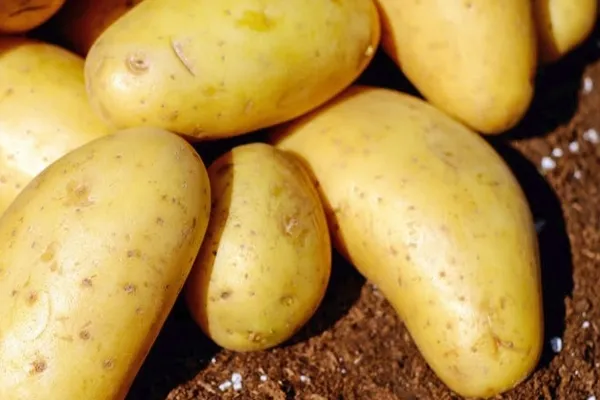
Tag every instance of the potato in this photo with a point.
(265, 264)
(80, 22)
(425, 209)
(44, 112)
(562, 25)
(213, 69)
(94, 252)
(19, 16)
(474, 60)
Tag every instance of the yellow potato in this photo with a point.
(80, 22)
(562, 25)
(425, 209)
(474, 60)
(44, 112)
(265, 264)
(19, 16)
(212, 69)
(94, 253)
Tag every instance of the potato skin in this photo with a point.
(265, 264)
(80, 22)
(20, 16)
(425, 209)
(44, 112)
(94, 252)
(474, 60)
(209, 70)
(562, 25)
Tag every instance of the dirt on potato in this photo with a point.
(355, 347)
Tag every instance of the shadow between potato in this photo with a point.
(557, 91)
(554, 245)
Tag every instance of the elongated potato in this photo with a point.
(44, 112)
(474, 60)
(212, 69)
(94, 252)
(562, 25)
(424, 208)
(80, 22)
(264, 266)
(19, 16)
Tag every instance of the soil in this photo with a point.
(355, 347)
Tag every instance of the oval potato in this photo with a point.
(474, 60)
(44, 112)
(209, 69)
(94, 253)
(425, 209)
(19, 16)
(563, 25)
(80, 22)
(265, 264)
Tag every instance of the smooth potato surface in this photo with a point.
(19, 16)
(265, 264)
(474, 60)
(562, 25)
(94, 252)
(44, 112)
(211, 69)
(425, 209)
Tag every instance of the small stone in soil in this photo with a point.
(588, 84)
(548, 163)
(591, 135)
(574, 147)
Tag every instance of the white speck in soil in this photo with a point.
(213, 360)
(574, 147)
(591, 398)
(577, 174)
(557, 152)
(548, 163)
(304, 379)
(556, 344)
(591, 135)
(343, 371)
(588, 84)
(263, 378)
(224, 386)
(585, 324)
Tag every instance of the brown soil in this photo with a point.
(357, 348)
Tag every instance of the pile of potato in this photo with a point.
(108, 212)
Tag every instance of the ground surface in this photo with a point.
(356, 347)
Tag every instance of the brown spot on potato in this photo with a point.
(84, 334)
(393, 251)
(78, 195)
(225, 294)
(32, 298)
(108, 363)
(287, 300)
(130, 288)
(255, 337)
(38, 366)
(86, 282)
(160, 221)
(137, 63)
(289, 224)
(134, 253)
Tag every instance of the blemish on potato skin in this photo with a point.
(108, 364)
(225, 294)
(38, 366)
(84, 334)
(32, 298)
(78, 194)
(49, 253)
(130, 288)
(137, 63)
